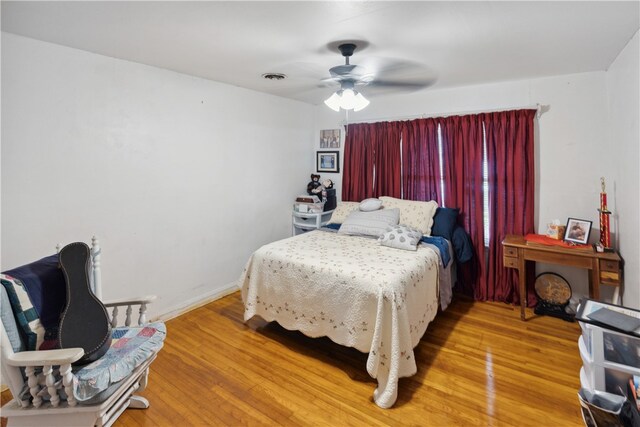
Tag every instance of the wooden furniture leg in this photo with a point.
(522, 279)
(594, 280)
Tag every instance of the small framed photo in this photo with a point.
(577, 231)
(328, 161)
(330, 138)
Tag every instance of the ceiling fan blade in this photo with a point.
(409, 85)
(398, 70)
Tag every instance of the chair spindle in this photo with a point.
(47, 370)
(127, 321)
(67, 381)
(143, 314)
(33, 385)
(114, 317)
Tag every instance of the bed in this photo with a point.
(354, 291)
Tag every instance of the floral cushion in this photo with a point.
(418, 215)
(130, 347)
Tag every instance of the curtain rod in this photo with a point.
(540, 109)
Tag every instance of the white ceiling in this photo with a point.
(235, 42)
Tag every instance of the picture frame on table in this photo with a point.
(577, 231)
(328, 161)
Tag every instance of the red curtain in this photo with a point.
(357, 176)
(421, 160)
(510, 154)
(371, 150)
(387, 159)
(462, 154)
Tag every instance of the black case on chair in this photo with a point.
(85, 322)
(330, 203)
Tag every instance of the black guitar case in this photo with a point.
(85, 322)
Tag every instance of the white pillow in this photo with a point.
(342, 211)
(369, 205)
(370, 223)
(414, 214)
(401, 237)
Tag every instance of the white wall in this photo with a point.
(181, 178)
(571, 150)
(623, 141)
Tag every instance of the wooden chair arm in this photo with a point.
(130, 301)
(45, 357)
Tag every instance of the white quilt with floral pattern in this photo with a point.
(376, 299)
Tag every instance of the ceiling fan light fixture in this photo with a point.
(333, 102)
(360, 102)
(347, 99)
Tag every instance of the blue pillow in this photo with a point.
(462, 245)
(444, 221)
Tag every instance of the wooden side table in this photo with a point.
(604, 268)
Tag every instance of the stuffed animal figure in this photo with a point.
(327, 184)
(314, 187)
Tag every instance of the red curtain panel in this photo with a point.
(510, 154)
(387, 159)
(372, 161)
(359, 155)
(462, 152)
(421, 160)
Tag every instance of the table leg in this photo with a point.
(522, 279)
(594, 280)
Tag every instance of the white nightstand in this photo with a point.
(309, 221)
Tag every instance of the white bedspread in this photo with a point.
(376, 299)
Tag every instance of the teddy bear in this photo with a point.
(314, 188)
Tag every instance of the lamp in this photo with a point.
(347, 98)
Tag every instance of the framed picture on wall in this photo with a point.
(330, 138)
(577, 231)
(328, 161)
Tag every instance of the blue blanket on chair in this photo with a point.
(48, 300)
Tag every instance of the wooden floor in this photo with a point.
(478, 364)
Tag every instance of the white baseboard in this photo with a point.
(198, 301)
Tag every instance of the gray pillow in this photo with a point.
(369, 205)
(370, 223)
(401, 237)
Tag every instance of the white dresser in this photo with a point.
(305, 221)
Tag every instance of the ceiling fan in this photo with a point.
(376, 74)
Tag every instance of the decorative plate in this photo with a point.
(553, 288)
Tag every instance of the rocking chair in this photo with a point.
(47, 390)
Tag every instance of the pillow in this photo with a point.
(370, 223)
(462, 245)
(401, 237)
(24, 312)
(444, 221)
(342, 211)
(418, 215)
(369, 205)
